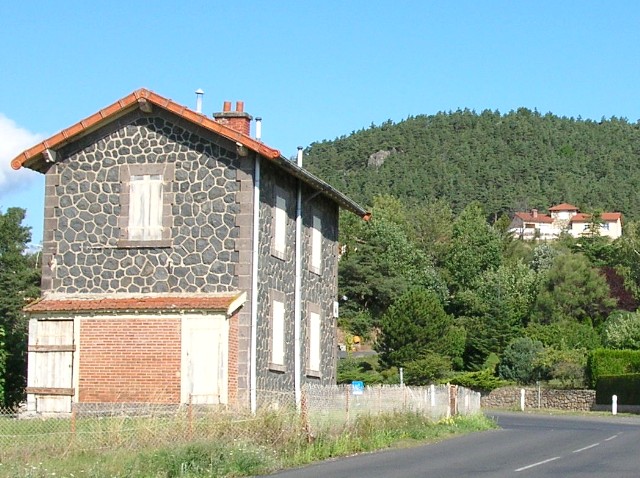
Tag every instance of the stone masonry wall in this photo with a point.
(321, 289)
(278, 274)
(570, 400)
(83, 250)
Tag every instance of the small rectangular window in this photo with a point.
(314, 342)
(279, 245)
(145, 207)
(316, 245)
(277, 333)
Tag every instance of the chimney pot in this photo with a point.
(237, 120)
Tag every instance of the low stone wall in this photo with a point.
(509, 397)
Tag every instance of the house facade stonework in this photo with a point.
(162, 281)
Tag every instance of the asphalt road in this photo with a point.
(525, 446)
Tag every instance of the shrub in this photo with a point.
(603, 362)
(519, 360)
(426, 370)
(351, 369)
(626, 387)
(481, 380)
(565, 335)
(622, 331)
(563, 368)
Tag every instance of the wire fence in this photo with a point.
(138, 426)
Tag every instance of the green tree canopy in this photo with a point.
(381, 264)
(19, 283)
(475, 247)
(415, 325)
(622, 331)
(497, 309)
(573, 289)
(520, 359)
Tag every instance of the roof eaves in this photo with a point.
(325, 188)
(120, 107)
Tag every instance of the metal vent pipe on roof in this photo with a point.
(300, 156)
(199, 94)
(259, 128)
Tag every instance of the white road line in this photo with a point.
(537, 464)
(611, 438)
(585, 448)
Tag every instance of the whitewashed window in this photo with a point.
(316, 245)
(280, 224)
(314, 341)
(277, 332)
(145, 207)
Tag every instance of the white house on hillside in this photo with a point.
(564, 218)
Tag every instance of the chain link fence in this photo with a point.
(139, 426)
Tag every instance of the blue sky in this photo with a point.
(312, 70)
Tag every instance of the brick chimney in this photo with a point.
(238, 119)
(534, 212)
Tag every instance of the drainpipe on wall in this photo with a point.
(253, 367)
(298, 294)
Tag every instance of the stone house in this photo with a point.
(183, 261)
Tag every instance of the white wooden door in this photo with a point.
(204, 359)
(50, 366)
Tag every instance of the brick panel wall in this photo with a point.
(129, 360)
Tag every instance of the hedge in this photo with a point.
(603, 362)
(625, 387)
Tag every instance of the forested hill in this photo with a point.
(508, 162)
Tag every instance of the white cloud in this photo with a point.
(14, 140)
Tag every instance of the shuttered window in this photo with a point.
(146, 199)
(280, 224)
(145, 207)
(316, 245)
(314, 342)
(277, 333)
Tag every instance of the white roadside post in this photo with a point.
(614, 405)
(522, 392)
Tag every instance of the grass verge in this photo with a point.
(271, 443)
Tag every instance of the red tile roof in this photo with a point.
(605, 216)
(111, 303)
(540, 218)
(33, 157)
(563, 207)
